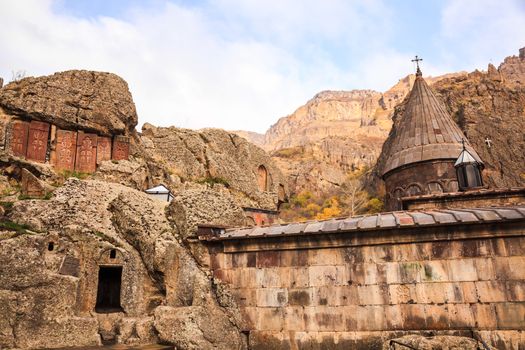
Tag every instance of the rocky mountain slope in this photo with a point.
(333, 134)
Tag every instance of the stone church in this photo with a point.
(448, 259)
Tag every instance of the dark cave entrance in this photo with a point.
(108, 294)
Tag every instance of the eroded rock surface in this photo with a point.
(51, 255)
(77, 99)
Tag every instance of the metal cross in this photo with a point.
(417, 60)
(488, 142)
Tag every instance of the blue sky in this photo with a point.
(244, 64)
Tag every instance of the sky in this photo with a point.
(243, 64)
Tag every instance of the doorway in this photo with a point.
(108, 293)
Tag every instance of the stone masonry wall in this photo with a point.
(357, 296)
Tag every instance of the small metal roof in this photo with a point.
(465, 158)
(381, 221)
(160, 189)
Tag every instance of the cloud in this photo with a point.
(479, 31)
(236, 65)
(243, 64)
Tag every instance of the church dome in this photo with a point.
(426, 131)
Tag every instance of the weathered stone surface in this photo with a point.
(18, 138)
(217, 159)
(194, 207)
(103, 149)
(86, 156)
(66, 149)
(77, 99)
(37, 141)
(196, 327)
(120, 148)
(32, 186)
(440, 342)
(49, 291)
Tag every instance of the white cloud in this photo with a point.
(189, 66)
(478, 31)
(243, 64)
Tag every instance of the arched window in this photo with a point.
(262, 178)
(398, 193)
(413, 190)
(435, 187)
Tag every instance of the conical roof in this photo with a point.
(465, 158)
(425, 132)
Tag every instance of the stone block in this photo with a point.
(510, 315)
(370, 273)
(454, 292)
(244, 277)
(431, 293)
(485, 269)
(268, 258)
(272, 297)
(66, 148)
(37, 141)
(250, 317)
(267, 278)
(331, 256)
(31, 186)
(356, 274)
(434, 271)
(393, 317)
(402, 293)
(484, 316)
(413, 316)
(86, 157)
(409, 272)
(515, 290)
(294, 258)
(322, 275)
(462, 270)
(103, 149)
(373, 295)
(298, 277)
(437, 317)
(224, 276)
(460, 316)
(469, 292)
(491, 291)
(245, 296)
(392, 273)
(294, 318)
(371, 318)
(329, 319)
(517, 267)
(120, 148)
(18, 138)
(301, 296)
(270, 318)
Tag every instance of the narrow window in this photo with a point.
(113, 254)
(262, 178)
(50, 246)
(108, 293)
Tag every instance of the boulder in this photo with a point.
(77, 99)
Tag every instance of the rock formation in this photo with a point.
(51, 264)
(332, 134)
(65, 231)
(91, 101)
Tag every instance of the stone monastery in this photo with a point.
(102, 262)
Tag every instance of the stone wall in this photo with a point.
(344, 290)
(419, 178)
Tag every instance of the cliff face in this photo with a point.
(332, 134)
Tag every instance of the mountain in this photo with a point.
(334, 133)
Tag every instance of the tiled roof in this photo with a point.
(382, 221)
(425, 132)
